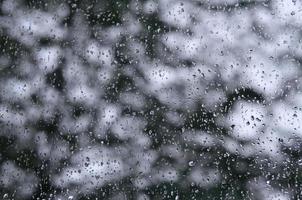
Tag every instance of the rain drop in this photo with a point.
(191, 163)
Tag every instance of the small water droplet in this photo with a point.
(5, 196)
(70, 197)
(191, 163)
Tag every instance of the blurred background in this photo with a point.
(150, 99)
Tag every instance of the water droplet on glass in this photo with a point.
(191, 163)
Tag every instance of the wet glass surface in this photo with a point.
(150, 99)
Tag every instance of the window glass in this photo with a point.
(150, 99)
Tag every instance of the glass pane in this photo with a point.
(150, 99)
